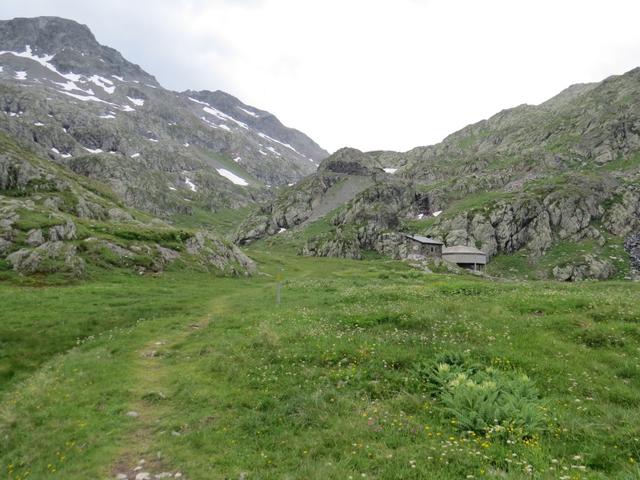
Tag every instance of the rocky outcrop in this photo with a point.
(526, 222)
(350, 161)
(623, 216)
(213, 252)
(50, 257)
(632, 247)
(291, 207)
(589, 267)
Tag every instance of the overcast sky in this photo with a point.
(371, 74)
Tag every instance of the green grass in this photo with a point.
(224, 221)
(337, 381)
(294, 239)
(482, 200)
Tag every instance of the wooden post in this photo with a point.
(278, 286)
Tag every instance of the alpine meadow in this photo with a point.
(190, 289)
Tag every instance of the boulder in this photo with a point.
(35, 237)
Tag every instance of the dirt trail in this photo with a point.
(137, 461)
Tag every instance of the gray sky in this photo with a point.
(371, 74)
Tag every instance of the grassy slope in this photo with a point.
(322, 386)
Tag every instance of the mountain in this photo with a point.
(547, 191)
(84, 106)
(101, 167)
(55, 221)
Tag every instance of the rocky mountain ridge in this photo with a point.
(85, 106)
(554, 185)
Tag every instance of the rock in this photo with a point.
(167, 255)
(133, 414)
(52, 203)
(62, 232)
(351, 162)
(117, 249)
(623, 217)
(223, 256)
(119, 215)
(50, 257)
(632, 247)
(35, 237)
(89, 210)
(590, 267)
(564, 274)
(143, 476)
(5, 246)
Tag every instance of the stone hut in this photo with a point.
(420, 247)
(466, 257)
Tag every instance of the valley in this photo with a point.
(190, 289)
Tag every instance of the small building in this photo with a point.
(423, 247)
(466, 257)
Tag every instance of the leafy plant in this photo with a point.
(485, 400)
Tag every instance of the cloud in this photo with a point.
(374, 74)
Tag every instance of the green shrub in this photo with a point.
(485, 400)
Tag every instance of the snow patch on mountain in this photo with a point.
(104, 83)
(232, 177)
(271, 139)
(248, 112)
(223, 116)
(138, 102)
(274, 151)
(190, 184)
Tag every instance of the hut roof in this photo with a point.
(462, 249)
(427, 240)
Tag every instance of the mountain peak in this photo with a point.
(71, 46)
(46, 35)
